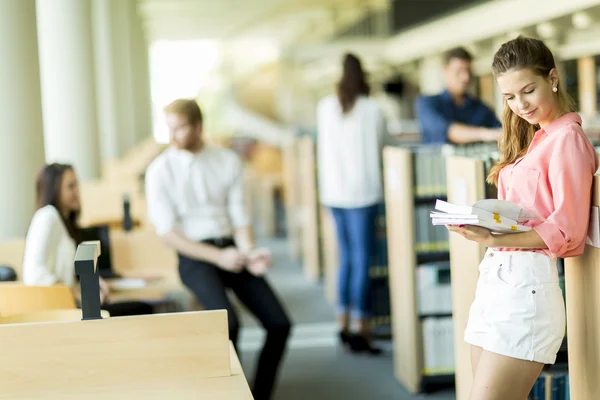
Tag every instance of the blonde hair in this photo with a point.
(186, 108)
(517, 134)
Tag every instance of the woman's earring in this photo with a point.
(555, 89)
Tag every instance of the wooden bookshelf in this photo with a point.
(291, 196)
(582, 281)
(586, 71)
(309, 208)
(403, 259)
(466, 185)
(486, 89)
(408, 357)
(330, 259)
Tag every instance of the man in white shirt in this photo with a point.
(195, 199)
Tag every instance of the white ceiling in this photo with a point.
(286, 21)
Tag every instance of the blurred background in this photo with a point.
(85, 82)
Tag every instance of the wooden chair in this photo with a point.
(16, 298)
(142, 254)
(103, 204)
(47, 316)
(11, 254)
(139, 251)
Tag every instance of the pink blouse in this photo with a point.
(554, 181)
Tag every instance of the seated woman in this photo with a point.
(53, 236)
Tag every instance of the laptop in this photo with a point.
(104, 265)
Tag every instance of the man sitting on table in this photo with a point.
(195, 196)
(454, 116)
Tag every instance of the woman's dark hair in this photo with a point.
(353, 83)
(47, 190)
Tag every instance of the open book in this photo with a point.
(499, 216)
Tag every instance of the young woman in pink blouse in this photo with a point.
(517, 321)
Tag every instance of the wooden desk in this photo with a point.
(174, 356)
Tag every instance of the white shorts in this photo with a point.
(519, 309)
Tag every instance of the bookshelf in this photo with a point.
(466, 185)
(582, 281)
(291, 196)
(330, 254)
(587, 95)
(408, 199)
(420, 258)
(309, 208)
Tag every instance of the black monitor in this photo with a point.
(104, 264)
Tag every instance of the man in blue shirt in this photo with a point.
(454, 116)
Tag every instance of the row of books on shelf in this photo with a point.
(378, 274)
(551, 386)
(438, 346)
(434, 293)
(379, 258)
(428, 238)
(429, 165)
(473, 150)
(429, 172)
(377, 271)
(380, 303)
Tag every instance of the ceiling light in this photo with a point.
(581, 20)
(546, 30)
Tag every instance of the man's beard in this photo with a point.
(191, 144)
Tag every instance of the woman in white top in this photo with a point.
(351, 133)
(54, 234)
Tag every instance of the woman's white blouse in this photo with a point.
(49, 250)
(350, 153)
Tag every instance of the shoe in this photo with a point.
(345, 339)
(359, 344)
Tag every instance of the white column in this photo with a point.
(112, 48)
(141, 78)
(68, 84)
(124, 73)
(106, 84)
(21, 138)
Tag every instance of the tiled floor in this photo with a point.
(315, 367)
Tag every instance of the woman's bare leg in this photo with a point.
(500, 378)
(475, 355)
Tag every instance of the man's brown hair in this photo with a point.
(458, 52)
(187, 108)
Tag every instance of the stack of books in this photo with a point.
(499, 216)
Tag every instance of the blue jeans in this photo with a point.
(355, 229)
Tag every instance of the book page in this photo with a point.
(460, 192)
(507, 209)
